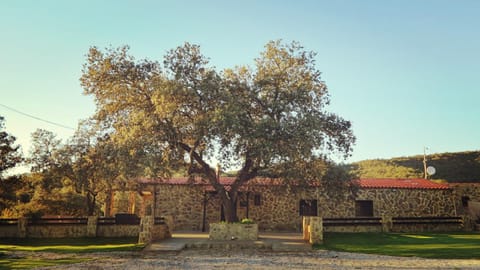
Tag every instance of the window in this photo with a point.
(308, 208)
(364, 208)
(243, 199)
(257, 200)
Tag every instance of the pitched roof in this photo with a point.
(226, 181)
(363, 183)
(400, 183)
(183, 181)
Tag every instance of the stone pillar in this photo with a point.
(146, 226)
(92, 226)
(468, 223)
(316, 230)
(387, 223)
(306, 228)
(22, 227)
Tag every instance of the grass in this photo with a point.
(61, 246)
(424, 245)
(30, 263)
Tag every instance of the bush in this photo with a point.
(247, 221)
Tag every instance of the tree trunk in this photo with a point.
(109, 203)
(230, 207)
(91, 201)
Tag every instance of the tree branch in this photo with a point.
(206, 170)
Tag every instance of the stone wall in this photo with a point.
(279, 208)
(467, 190)
(426, 228)
(23, 229)
(409, 202)
(184, 203)
(353, 228)
(57, 231)
(116, 230)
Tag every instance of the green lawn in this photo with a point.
(425, 245)
(63, 246)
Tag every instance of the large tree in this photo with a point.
(10, 154)
(270, 119)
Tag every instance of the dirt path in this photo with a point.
(247, 259)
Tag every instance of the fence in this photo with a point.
(393, 224)
(426, 224)
(57, 221)
(122, 225)
(314, 227)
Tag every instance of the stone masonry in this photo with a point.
(277, 207)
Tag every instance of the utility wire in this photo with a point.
(36, 118)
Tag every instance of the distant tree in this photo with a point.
(10, 154)
(8, 192)
(268, 120)
(95, 165)
(45, 158)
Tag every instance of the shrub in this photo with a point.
(247, 221)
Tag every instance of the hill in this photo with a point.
(452, 167)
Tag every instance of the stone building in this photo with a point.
(274, 206)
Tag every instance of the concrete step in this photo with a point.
(166, 245)
(269, 242)
(291, 246)
(228, 245)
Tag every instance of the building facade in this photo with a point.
(193, 204)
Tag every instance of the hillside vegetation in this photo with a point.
(452, 167)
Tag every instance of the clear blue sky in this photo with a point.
(405, 72)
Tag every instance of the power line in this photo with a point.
(36, 118)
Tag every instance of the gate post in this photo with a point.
(146, 225)
(306, 228)
(316, 230)
(22, 227)
(92, 226)
(387, 223)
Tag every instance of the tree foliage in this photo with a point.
(10, 154)
(268, 119)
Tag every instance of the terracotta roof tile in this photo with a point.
(363, 183)
(400, 183)
(183, 181)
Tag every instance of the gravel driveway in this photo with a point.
(254, 259)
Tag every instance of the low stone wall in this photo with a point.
(51, 228)
(353, 228)
(396, 224)
(426, 228)
(118, 230)
(56, 231)
(233, 231)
